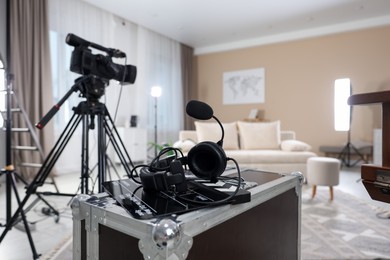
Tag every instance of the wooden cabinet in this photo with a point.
(135, 141)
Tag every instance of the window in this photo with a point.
(62, 80)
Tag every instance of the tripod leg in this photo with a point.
(54, 154)
(345, 155)
(8, 194)
(361, 157)
(110, 165)
(105, 127)
(13, 219)
(113, 167)
(84, 156)
(39, 197)
(118, 145)
(101, 152)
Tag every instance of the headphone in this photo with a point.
(206, 160)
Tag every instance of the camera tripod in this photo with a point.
(86, 112)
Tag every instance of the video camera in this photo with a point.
(84, 62)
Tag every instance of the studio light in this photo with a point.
(342, 111)
(155, 91)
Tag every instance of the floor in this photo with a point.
(47, 233)
(47, 230)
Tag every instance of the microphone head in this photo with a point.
(117, 53)
(75, 41)
(199, 110)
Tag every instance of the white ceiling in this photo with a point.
(217, 25)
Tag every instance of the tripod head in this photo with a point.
(91, 87)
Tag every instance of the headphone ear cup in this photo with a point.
(207, 160)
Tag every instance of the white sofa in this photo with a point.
(253, 145)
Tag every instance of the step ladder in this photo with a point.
(34, 148)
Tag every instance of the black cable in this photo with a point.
(132, 176)
(120, 90)
(119, 99)
(154, 165)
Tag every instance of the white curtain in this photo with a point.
(160, 65)
(156, 57)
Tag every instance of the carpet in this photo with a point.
(346, 228)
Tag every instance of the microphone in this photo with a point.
(202, 111)
(117, 53)
(199, 110)
(76, 41)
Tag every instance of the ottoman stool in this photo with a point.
(323, 171)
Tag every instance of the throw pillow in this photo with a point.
(262, 135)
(184, 145)
(294, 145)
(212, 132)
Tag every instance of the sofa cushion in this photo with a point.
(287, 135)
(212, 132)
(269, 156)
(188, 135)
(294, 145)
(259, 135)
(185, 146)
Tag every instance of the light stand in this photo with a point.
(343, 120)
(156, 93)
(347, 151)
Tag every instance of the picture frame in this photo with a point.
(244, 86)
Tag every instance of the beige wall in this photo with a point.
(299, 82)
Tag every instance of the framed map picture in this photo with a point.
(243, 87)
